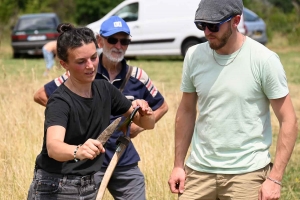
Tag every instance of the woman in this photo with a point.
(76, 113)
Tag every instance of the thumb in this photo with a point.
(181, 186)
(260, 194)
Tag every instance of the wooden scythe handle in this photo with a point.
(110, 169)
(123, 143)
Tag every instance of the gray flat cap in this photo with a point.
(214, 11)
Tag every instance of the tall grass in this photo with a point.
(21, 124)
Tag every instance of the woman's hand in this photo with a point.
(89, 150)
(145, 117)
(144, 107)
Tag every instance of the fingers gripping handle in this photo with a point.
(126, 124)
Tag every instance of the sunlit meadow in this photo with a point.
(21, 122)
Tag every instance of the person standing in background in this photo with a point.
(49, 52)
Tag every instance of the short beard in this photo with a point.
(223, 40)
(108, 54)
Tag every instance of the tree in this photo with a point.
(8, 11)
(90, 11)
(286, 6)
(296, 4)
(64, 9)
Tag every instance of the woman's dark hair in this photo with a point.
(71, 37)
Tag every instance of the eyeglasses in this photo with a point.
(212, 27)
(123, 41)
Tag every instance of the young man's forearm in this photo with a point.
(184, 127)
(285, 145)
(287, 136)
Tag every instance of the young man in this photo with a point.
(127, 181)
(234, 79)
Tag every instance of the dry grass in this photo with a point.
(21, 136)
(21, 129)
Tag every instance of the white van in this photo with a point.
(158, 27)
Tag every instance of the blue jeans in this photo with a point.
(49, 58)
(126, 183)
(49, 186)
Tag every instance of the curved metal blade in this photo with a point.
(128, 120)
(103, 137)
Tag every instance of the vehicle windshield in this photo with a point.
(36, 23)
(250, 16)
(129, 13)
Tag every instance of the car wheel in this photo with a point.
(187, 44)
(130, 57)
(16, 55)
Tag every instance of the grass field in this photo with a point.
(21, 122)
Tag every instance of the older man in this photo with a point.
(127, 181)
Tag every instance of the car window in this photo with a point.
(36, 23)
(129, 13)
(250, 16)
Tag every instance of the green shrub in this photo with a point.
(294, 35)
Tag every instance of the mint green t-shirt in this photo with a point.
(233, 131)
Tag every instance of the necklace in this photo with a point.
(233, 58)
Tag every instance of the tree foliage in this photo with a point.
(8, 9)
(64, 9)
(280, 15)
(286, 6)
(90, 11)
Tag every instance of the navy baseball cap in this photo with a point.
(113, 25)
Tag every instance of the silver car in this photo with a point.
(255, 27)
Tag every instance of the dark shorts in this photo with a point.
(125, 183)
(49, 186)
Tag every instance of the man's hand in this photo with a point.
(135, 130)
(177, 179)
(269, 191)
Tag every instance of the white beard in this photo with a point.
(108, 54)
